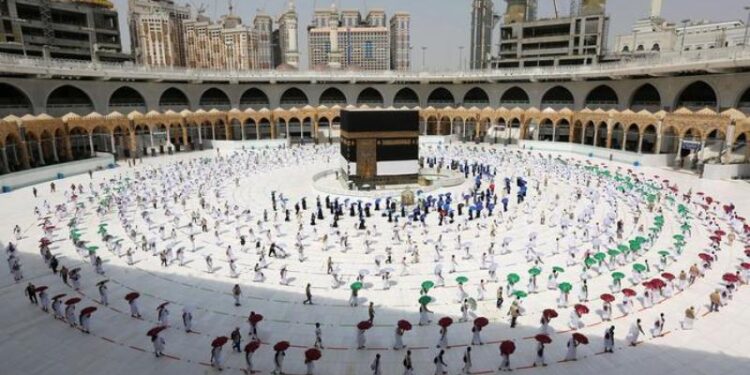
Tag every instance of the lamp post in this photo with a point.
(684, 34)
(424, 57)
(747, 24)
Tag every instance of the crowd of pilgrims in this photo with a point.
(186, 210)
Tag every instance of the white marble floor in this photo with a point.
(32, 342)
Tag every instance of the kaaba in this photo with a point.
(380, 147)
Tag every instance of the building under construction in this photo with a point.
(575, 39)
(66, 29)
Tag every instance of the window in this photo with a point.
(368, 49)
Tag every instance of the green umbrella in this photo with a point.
(565, 287)
(659, 218)
(664, 253)
(639, 267)
(462, 279)
(513, 278)
(558, 269)
(590, 261)
(623, 248)
(640, 239)
(600, 256)
(520, 294)
(535, 271)
(357, 285)
(635, 245)
(679, 237)
(618, 275)
(92, 248)
(425, 300)
(654, 229)
(685, 226)
(427, 285)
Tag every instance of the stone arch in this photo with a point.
(254, 98)
(220, 129)
(214, 98)
(696, 96)
(293, 97)
(13, 101)
(173, 99)
(743, 102)
(250, 127)
(125, 100)
(101, 137)
(602, 134)
(514, 96)
(236, 132)
(603, 97)
(546, 130)
(79, 143)
(476, 97)
(558, 97)
(265, 129)
(617, 137)
(669, 141)
(444, 126)
(121, 135)
(562, 131)
(68, 98)
(432, 126)
(406, 97)
(577, 132)
(648, 145)
(333, 96)
(371, 97)
(589, 134)
(646, 97)
(441, 97)
(632, 136)
(142, 139)
(15, 155)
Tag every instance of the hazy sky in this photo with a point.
(444, 25)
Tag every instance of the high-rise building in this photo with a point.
(227, 44)
(79, 30)
(345, 40)
(263, 25)
(287, 38)
(400, 41)
(157, 32)
(482, 24)
(575, 40)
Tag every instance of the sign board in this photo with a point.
(691, 145)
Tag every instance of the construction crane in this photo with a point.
(554, 3)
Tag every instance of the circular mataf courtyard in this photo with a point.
(181, 231)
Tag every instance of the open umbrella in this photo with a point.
(581, 309)
(281, 345)
(73, 301)
(544, 339)
(58, 296)
(639, 267)
(720, 232)
(313, 354)
(40, 288)
(131, 296)
(427, 285)
(357, 285)
(613, 252)
(462, 279)
(520, 294)
(590, 261)
(550, 313)
(565, 287)
(161, 306)
(618, 275)
(219, 341)
(155, 331)
(606, 297)
(255, 318)
(667, 276)
(623, 248)
(481, 322)
(425, 300)
(88, 310)
(558, 269)
(252, 346)
(364, 325)
(745, 265)
(507, 347)
(513, 278)
(658, 283)
(405, 325)
(705, 257)
(445, 322)
(629, 292)
(664, 253)
(730, 278)
(580, 338)
(534, 271)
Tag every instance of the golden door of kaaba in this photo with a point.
(367, 162)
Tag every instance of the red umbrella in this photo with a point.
(650, 285)
(658, 283)
(747, 252)
(155, 331)
(219, 341)
(580, 338)
(481, 322)
(606, 297)
(550, 313)
(706, 257)
(131, 296)
(629, 292)
(405, 325)
(73, 301)
(507, 347)
(58, 296)
(162, 305)
(544, 339)
(281, 345)
(255, 318)
(730, 278)
(312, 354)
(581, 309)
(745, 265)
(364, 325)
(88, 310)
(709, 200)
(40, 288)
(667, 276)
(715, 238)
(252, 346)
(720, 232)
(445, 322)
